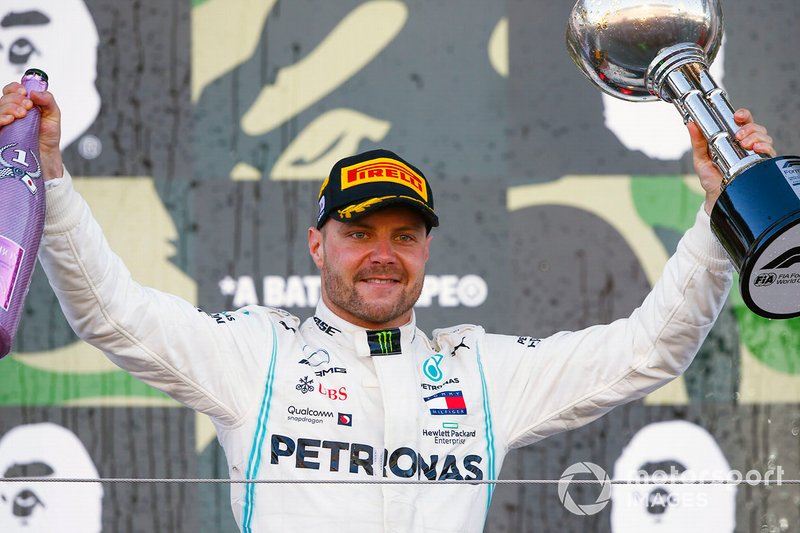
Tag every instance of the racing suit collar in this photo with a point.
(391, 355)
(365, 342)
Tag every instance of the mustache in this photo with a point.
(380, 272)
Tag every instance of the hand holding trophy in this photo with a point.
(644, 50)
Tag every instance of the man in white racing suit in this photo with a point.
(357, 392)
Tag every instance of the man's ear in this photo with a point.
(315, 246)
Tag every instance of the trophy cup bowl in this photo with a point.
(614, 41)
(645, 50)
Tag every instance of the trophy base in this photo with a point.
(757, 220)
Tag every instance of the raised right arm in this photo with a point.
(204, 361)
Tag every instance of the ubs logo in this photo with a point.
(339, 394)
(305, 385)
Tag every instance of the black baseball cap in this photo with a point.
(372, 180)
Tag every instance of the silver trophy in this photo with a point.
(644, 50)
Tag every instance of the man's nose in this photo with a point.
(383, 251)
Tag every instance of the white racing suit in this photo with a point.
(327, 400)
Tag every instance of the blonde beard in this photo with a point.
(345, 296)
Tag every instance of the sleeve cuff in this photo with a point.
(63, 205)
(704, 245)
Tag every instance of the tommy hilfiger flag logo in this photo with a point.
(447, 403)
(384, 342)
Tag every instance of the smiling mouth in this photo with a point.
(380, 281)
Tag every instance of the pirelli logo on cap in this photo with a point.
(384, 169)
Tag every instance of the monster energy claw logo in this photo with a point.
(384, 342)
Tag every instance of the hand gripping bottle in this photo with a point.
(21, 211)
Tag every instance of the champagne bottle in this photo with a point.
(21, 211)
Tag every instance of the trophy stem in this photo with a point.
(679, 74)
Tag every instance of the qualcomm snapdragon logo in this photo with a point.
(567, 479)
